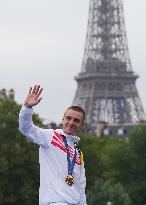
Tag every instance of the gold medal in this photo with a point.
(69, 180)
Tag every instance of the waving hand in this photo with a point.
(33, 97)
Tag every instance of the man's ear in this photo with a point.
(83, 124)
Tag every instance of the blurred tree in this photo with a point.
(108, 164)
(137, 187)
(91, 146)
(19, 167)
(102, 192)
(117, 159)
(115, 170)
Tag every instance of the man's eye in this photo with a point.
(68, 118)
(77, 120)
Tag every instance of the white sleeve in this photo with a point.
(82, 186)
(37, 135)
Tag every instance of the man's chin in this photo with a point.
(70, 131)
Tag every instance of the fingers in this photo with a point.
(30, 89)
(39, 100)
(40, 91)
(35, 90)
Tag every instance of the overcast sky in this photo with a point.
(42, 42)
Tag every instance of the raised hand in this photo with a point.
(33, 97)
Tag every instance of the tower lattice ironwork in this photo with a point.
(106, 86)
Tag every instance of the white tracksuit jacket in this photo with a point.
(53, 163)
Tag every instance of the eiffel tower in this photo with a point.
(106, 86)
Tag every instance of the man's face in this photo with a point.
(72, 121)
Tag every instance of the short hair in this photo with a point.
(78, 109)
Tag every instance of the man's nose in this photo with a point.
(71, 122)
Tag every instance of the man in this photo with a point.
(62, 174)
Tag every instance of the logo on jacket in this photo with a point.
(58, 142)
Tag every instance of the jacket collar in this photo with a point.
(69, 137)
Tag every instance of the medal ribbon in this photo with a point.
(71, 164)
